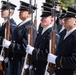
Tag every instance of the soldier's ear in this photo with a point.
(75, 22)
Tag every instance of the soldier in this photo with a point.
(62, 30)
(41, 48)
(5, 12)
(61, 18)
(17, 45)
(65, 58)
(57, 10)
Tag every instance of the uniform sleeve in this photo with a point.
(69, 61)
(18, 47)
(12, 28)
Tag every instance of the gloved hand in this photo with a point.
(1, 58)
(51, 58)
(6, 43)
(29, 49)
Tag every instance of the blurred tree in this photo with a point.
(64, 3)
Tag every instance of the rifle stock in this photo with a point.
(51, 66)
(29, 57)
(35, 22)
(1, 68)
(7, 33)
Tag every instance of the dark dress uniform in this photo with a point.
(2, 35)
(2, 30)
(20, 40)
(41, 47)
(41, 51)
(40, 55)
(13, 25)
(66, 51)
(18, 45)
(12, 22)
(66, 63)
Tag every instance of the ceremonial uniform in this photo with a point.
(19, 40)
(4, 15)
(41, 48)
(65, 58)
(11, 20)
(62, 30)
(17, 47)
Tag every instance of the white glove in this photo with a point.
(6, 43)
(1, 58)
(51, 58)
(26, 66)
(29, 49)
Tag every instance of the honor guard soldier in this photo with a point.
(61, 18)
(7, 10)
(17, 45)
(65, 58)
(62, 30)
(4, 14)
(41, 48)
(40, 27)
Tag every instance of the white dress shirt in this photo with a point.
(24, 21)
(62, 29)
(69, 32)
(44, 29)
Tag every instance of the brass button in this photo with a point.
(38, 49)
(35, 68)
(58, 67)
(14, 41)
(11, 58)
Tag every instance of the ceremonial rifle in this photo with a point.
(28, 57)
(35, 19)
(51, 66)
(7, 35)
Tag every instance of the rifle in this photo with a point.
(35, 19)
(35, 22)
(51, 66)
(5, 51)
(28, 57)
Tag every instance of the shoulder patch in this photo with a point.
(13, 24)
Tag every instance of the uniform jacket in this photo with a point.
(41, 51)
(20, 38)
(18, 46)
(2, 30)
(12, 27)
(66, 52)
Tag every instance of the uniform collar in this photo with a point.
(62, 29)
(44, 29)
(69, 32)
(25, 21)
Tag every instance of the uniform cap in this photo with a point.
(26, 7)
(6, 6)
(71, 12)
(57, 3)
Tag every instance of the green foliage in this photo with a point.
(64, 3)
